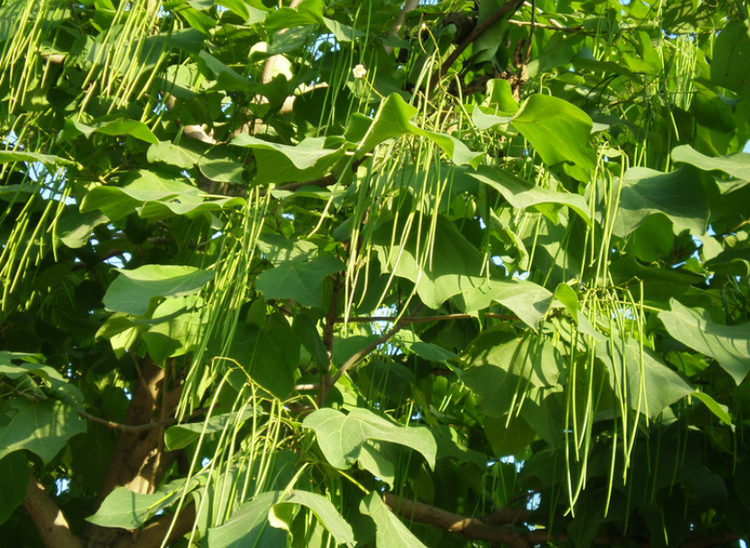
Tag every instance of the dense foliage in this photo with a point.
(373, 273)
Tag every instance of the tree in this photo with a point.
(367, 273)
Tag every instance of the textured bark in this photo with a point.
(139, 459)
(472, 528)
(50, 522)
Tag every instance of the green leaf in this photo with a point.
(42, 427)
(270, 358)
(341, 436)
(323, 509)
(279, 250)
(392, 121)
(342, 33)
(728, 344)
(721, 411)
(74, 228)
(531, 357)
(49, 160)
(522, 195)
(181, 435)
(249, 526)
(145, 186)
(452, 268)
(508, 437)
(736, 165)
(174, 155)
(641, 379)
(303, 156)
(558, 130)
(299, 281)
(56, 384)
(305, 328)
(14, 480)
(529, 301)
(126, 126)
(127, 510)
(132, 290)
(731, 55)
(390, 532)
(678, 195)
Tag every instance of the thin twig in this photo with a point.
(136, 427)
(425, 319)
(531, 32)
(480, 29)
(399, 325)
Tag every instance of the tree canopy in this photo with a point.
(374, 273)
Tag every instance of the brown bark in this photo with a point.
(50, 522)
(472, 528)
(139, 460)
(152, 536)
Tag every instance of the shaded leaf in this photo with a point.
(642, 380)
(390, 532)
(42, 427)
(728, 344)
(392, 121)
(558, 130)
(249, 526)
(132, 290)
(14, 480)
(736, 165)
(678, 195)
(299, 281)
(521, 194)
(127, 510)
(341, 436)
(323, 510)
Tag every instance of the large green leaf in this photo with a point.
(529, 301)
(452, 268)
(532, 357)
(120, 126)
(522, 195)
(279, 163)
(678, 195)
(42, 427)
(558, 130)
(14, 480)
(49, 160)
(640, 377)
(144, 186)
(300, 281)
(181, 435)
(736, 165)
(390, 532)
(340, 436)
(132, 290)
(731, 53)
(249, 526)
(34, 373)
(323, 509)
(279, 250)
(127, 510)
(392, 121)
(728, 344)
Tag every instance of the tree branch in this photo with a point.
(153, 535)
(425, 319)
(409, 5)
(479, 30)
(369, 348)
(136, 427)
(471, 528)
(47, 517)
